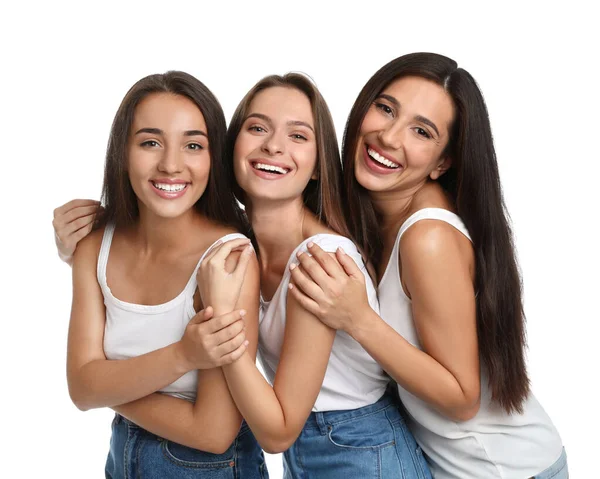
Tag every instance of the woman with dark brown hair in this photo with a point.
(327, 407)
(136, 343)
(423, 198)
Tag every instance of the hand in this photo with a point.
(221, 274)
(210, 342)
(334, 291)
(72, 222)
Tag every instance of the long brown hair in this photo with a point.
(473, 182)
(323, 195)
(218, 201)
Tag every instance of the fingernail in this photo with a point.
(310, 244)
(341, 250)
(300, 253)
(243, 312)
(290, 286)
(293, 266)
(249, 249)
(246, 343)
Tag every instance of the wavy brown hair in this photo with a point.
(473, 182)
(218, 201)
(323, 195)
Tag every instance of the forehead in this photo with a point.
(168, 111)
(282, 103)
(419, 96)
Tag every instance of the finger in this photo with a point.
(74, 226)
(227, 247)
(78, 212)
(304, 301)
(243, 262)
(220, 322)
(82, 233)
(61, 210)
(349, 265)
(306, 285)
(314, 270)
(327, 262)
(202, 316)
(234, 355)
(226, 334)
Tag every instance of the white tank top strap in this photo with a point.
(434, 214)
(109, 231)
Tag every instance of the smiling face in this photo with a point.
(403, 136)
(275, 153)
(168, 154)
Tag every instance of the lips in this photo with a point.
(379, 163)
(268, 169)
(169, 189)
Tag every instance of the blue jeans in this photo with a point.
(136, 453)
(365, 443)
(558, 470)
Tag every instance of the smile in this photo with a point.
(381, 159)
(266, 170)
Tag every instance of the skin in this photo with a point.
(280, 222)
(150, 263)
(436, 261)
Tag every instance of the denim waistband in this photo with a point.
(320, 420)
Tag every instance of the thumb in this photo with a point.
(202, 316)
(243, 262)
(350, 267)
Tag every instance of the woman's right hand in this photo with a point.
(210, 342)
(72, 222)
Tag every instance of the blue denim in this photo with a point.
(558, 470)
(365, 443)
(136, 453)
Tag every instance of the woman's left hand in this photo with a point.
(221, 274)
(334, 291)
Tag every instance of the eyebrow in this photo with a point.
(418, 118)
(270, 122)
(158, 131)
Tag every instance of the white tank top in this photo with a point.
(135, 329)
(493, 444)
(353, 379)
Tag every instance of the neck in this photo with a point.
(158, 234)
(278, 228)
(394, 206)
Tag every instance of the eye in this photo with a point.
(298, 136)
(422, 132)
(195, 146)
(384, 108)
(256, 128)
(150, 143)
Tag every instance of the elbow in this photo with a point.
(218, 444)
(80, 397)
(466, 411)
(276, 445)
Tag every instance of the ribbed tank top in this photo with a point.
(493, 444)
(353, 378)
(135, 329)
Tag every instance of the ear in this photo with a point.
(443, 165)
(315, 175)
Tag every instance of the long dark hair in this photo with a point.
(323, 195)
(473, 182)
(218, 201)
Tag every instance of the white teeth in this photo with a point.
(262, 166)
(380, 159)
(169, 187)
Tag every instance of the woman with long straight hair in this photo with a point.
(136, 343)
(423, 198)
(326, 405)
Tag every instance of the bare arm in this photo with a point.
(437, 272)
(72, 222)
(213, 422)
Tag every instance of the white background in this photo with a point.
(65, 68)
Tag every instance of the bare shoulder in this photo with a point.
(88, 248)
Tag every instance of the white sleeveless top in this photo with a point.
(135, 329)
(493, 444)
(353, 379)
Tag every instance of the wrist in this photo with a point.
(182, 364)
(361, 324)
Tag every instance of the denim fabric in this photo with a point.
(372, 442)
(558, 470)
(136, 453)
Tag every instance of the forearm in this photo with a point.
(413, 369)
(211, 424)
(107, 383)
(260, 406)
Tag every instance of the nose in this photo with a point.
(273, 144)
(391, 135)
(171, 161)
